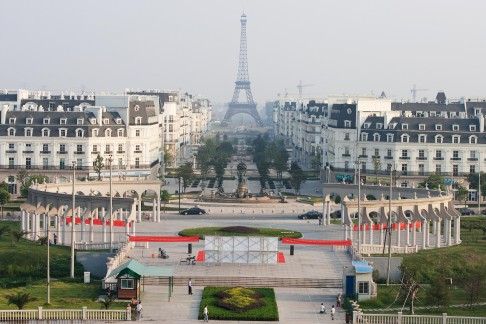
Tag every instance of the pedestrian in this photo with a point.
(55, 239)
(333, 311)
(338, 302)
(206, 313)
(139, 310)
(323, 309)
(189, 287)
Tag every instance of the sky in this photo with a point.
(335, 47)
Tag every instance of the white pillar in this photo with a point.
(414, 234)
(127, 228)
(36, 225)
(427, 233)
(103, 224)
(381, 234)
(154, 215)
(407, 224)
(449, 232)
(437, 228)
(133, 228)
(91, 229)
(81, 219)
(63, 236)
(345, 229)
(398, 234)
(139, 210)
(158, 210)
(424, 233)
(371, 234)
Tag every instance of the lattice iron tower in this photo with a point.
(243, 83)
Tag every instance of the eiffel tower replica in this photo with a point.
(242, 83)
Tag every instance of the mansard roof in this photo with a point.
(66, 103)
(341, 113)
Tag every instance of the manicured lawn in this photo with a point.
(267, 312)
(220, 231)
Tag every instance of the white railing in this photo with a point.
(378, 249)
(98, 246)
(360, 318)
(65, 314)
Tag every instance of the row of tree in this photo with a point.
(269, 154)
(214, 154)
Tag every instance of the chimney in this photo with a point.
(3, 118)
(481, 122)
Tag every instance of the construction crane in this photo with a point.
(300, 86)
(414, 91)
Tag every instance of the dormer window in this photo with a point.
(392, 126)
(456, 139)
(118, 121)
(439, 139)
(347, 123)
(379, 125)
(366, 125)
(11, 120)
(63, 121)
(120, 133)
(95, 132)
(138, 120)
(45, 132)
(79, 121)
(438, 127)
(28, 132)
(405, 138)
(106, 121)
(108, 133)
(29, 121)
(472, 128)
(404, 126)
(11, 132)
(46, 121)
(389, 138)
(376, 137)
(93, 121)
(136, 108)
(63, 132)
(455, 127)
(473, 139)
(421, 126)
(422, 138)
(364, 136)
(79, 133)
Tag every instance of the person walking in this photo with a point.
(338, 302)
(55, 239)
(189, 287)
(322, 309)
(333, 311)
(206, 313)
(139, 310)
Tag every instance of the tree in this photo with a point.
(220, 163)
(106, 302)
(473, 179)
(462, 194)
(317, 161)
(20, 299)
(3, 186)
(98, 165)
(164, 197)
(473, 280)
(434, 182)
(18, 235)
(410, 286)
(186, 173)
(376, 167)
(297, 177)
(25, 179)
(4, 198)
(168, 157)
(438, 293)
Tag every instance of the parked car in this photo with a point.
(313, 214)
(193, 211)
(336, 214)
(466, 211)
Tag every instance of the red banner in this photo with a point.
(97, 221)
(376, 227)
(180, 239)
(316, 242)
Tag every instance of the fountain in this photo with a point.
(242, 190)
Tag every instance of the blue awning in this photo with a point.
(362, 267)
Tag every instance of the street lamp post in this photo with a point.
(73, 221)
(110, 160)
(48, 263)
(359, 205)
(479, 187)
(180, 179)
(389, 229)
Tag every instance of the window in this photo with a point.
(45, 163)
(363, 151)
(62, 163)
(80, 121)
(376, 137)
(438, 168)
(363, 287)
(62, 132)
(79, 133)
(11, 132)
(106, 121)
(456, 139)
(137, 163)
(120, 133)
(439, 139)
(137, 148)
(28, 121)
(472, 154)
(455, 127)
(127, 283)
(108, 133)
(472, 168)
(118, 121)
(11, 162)
(389, 138)
(472, 128)
(346, 166)
(404, 126)
(45, 147)
(377, 152)
(438, 127)
(404, 154)
(28, 147)
(347, 124)
(346, 137)
(95, 148)
(62, 148)
(63, 121)
(137, 107)
(422, 138)
(421, 154)
(388, 167)
(11, 120)
(346, 150)
(438, 155)
(79, 148)
(379, 125)
(404, 169)
(28, 163)
(366, 125)
(95, 132)
(389, 153)
(28, 132)
(138, 120)
(455, 155)
(421, 126)
(45, 132)
(392, 126)
(137, 133)
(120, 148)
(46, 121)
(364, 136)
(11, 146)
(421, 170)
(79, 164)
(92, 121)
(107, 148)
(473, 139)
(455, 170)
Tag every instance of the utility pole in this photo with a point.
(389, 229)
(48, 262)
(73, 221)
(110, 160)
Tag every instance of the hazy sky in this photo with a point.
(355, 47)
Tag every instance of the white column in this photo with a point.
(133, 227)
(36, 225)
(91, 229)
(407, 224)
(427, 233)
(127, 228)
(457, 230)
(103, 226)
(47, 224)
(81, 219)
(63, 236)
(424, 233)
(398, 234)
(449, 232)
(381, 234)
(371, 234)
(158, 210)
(329, 213)
(414, 234)
(139, 210)
(345, 229)
(437, 228)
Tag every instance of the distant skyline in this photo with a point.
(354, 47)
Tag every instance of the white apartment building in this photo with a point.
(376, 134)
(46, 134)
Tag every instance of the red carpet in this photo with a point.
(200, 256)
(280, 257)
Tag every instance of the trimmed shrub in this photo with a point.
(239, 229)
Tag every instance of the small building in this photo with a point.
(132, 275)
(358, 282)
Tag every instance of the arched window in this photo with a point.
(456, 139)
(376, 137)
(138, 120)
(120, 133)
(439, 139)
(473, 139)
(11, 132)
(79, 133)
(405, 138)
(422, 138)
(108, 133)
(46, 132)
(95, 132)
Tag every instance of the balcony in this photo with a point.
(422, 158)
(10, 151)
(108, 152)
(62, 152)
(404, 158)
(45, 152)
(388, 157)
(78, 152)
(363, 156)
(346, 155)
(438, 158)
(375, 156)
(455, 159)
(120, 151)
(28, 151)
(137, 151)
(95, 152)
(472, 159)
